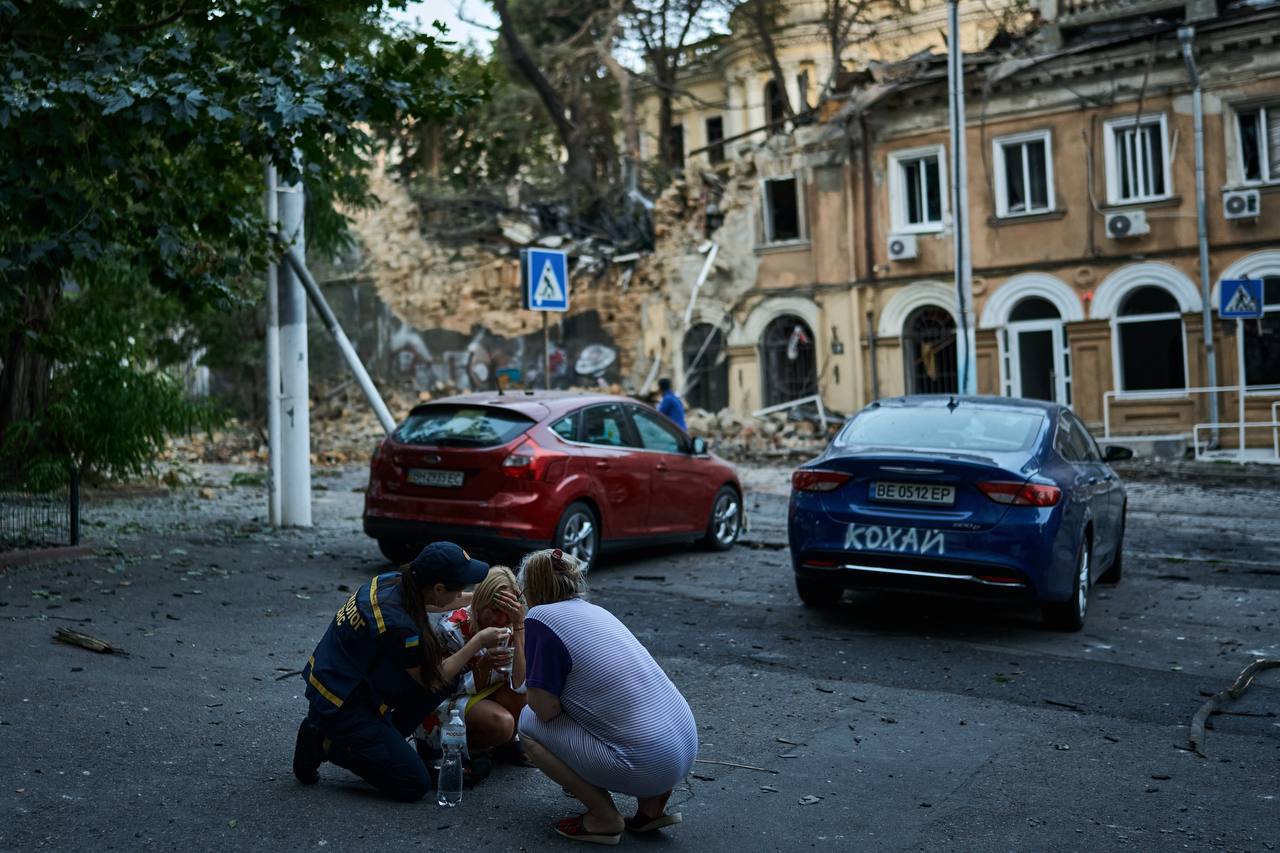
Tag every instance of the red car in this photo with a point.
(512, 472)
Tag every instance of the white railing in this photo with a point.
(1202, 452)
(1180, 394)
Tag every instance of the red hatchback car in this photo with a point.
(534, 469)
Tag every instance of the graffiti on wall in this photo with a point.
(581, 353)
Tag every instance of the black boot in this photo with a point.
(308, 753)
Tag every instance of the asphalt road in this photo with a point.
(886, 724)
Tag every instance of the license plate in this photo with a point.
(428, 477)
(914, 493)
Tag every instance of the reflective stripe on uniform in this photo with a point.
(315, 682)
(373, 603)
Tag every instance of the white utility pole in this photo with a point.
(966, 362)
(295, 393)
(272, 382)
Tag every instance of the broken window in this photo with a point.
(715, 140)
(1262, 339)
(1151, 341)
(1024, 174)
(788, 359)
(1137, 163)
(675, 145)
(802, 86)
(775, 111)
(781, 210)
(929, 350)
(916, 189)
(706, 368)
(1258, 132)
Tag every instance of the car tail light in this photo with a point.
(532, 461)
(818, 480)
(1021, 494)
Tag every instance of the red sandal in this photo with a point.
(574, 829)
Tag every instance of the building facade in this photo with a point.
(1088, 286)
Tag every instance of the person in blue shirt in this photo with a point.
(670, 404)
(380, 668)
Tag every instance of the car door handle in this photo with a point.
(602, 464)
(661, 466)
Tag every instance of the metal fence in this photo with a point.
(38, 519)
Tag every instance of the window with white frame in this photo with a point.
(916, 197)
(1150, 341)
(1137, 158)
(1258, 144)
(1024, 174)
(783, 222)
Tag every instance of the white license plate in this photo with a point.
(427, 477)
(914, 493)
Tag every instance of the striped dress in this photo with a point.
(624, 727)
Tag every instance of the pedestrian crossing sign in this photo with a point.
(1241, 299)
(545, 276)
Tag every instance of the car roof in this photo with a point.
(531, 403)
(985, 401)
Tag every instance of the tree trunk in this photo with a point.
(24, 377)
(763, 19)
(579, 168)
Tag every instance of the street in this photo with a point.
(889, 723)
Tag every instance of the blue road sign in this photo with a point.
(545, 275)
(1240, 299)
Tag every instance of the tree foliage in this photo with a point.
(133, 135)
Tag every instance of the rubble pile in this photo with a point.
(752, 439)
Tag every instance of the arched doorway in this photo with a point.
(788, 360)
(929, 351)
(1036, 364)
(706, 369)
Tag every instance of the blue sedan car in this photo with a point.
(989, 497)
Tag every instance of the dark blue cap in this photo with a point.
(447, 563)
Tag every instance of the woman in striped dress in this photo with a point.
(602, 716)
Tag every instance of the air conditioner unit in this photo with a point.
(1133, 223)
(1241, 204)
(902, 247)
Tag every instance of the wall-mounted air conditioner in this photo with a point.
(902, 247)
(1131, 223)
(1241, 204)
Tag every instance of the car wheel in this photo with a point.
(725, 522)
(578, 533)
(1113, 574)
(398, 551)
(819, 594)
(1069, 615)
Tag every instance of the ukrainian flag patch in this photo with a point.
(411, 642)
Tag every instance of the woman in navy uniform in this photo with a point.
(380, 668)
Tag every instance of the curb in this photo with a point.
(11, 559)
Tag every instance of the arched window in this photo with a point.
(788, 359)
(1150, 342)
(929, 351)
(1037, 365)
(775, 111)
(706, 369)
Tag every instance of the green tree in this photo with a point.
(133, 135)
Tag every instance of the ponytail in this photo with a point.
(429, 644)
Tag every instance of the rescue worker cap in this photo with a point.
(446, 563)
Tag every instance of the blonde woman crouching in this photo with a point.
(602, 716)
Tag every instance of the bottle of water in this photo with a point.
(453, 740)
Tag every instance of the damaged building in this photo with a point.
(834, 277)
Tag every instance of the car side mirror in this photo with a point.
(1116, 453)
(699, 446)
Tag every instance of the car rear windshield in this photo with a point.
(461, 426)
(962, 428)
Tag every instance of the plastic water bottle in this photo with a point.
(453, 741)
